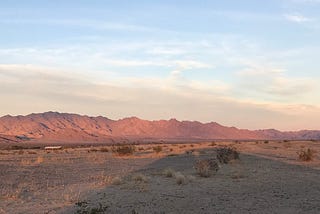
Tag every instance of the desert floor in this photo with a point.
(268, 178)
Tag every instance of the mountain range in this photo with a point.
(65, 127)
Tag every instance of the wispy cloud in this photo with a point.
(297, 18)
(273, 83)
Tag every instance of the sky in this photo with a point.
(251, 64)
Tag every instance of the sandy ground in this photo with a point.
(268, 178)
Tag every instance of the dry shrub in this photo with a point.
(306, 154)
(226, 154)
(104, 150)
(157, 149)
(180, 178)
(140, 178)
(212, 143)
(205, 168)
(168, 172)
(117, 181)
(123, 150)
(93, 150)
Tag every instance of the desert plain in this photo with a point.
(268, 177)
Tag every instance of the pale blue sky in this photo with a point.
(250, 63)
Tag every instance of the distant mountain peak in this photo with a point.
(74, 127)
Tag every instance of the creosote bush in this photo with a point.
(226, 154)
(123, 150)
(306, 154)
(205, 168)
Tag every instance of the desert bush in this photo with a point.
(157, 149)
(266, 141)
(205, 168)
(168, 172)
(117, 181)
(140, 178)
(306, 154)
(180, 178)
(104, 150)
(226, 154)
(123, 150)
(212, 143)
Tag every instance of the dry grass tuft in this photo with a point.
(180, 178)
(168, 172)
(117, 181)
(140, 178)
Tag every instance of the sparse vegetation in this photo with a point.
(226, 154)
(306, 154)
(117, 181)
(123, 150)
(157, 149)
(205, 168)
(104, 149)
(168, 172)
(140, 178)
(266, 142)
(180, 178)
(212, 143)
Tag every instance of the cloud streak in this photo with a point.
(297, 18)
(162, 101)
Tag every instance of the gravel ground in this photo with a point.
(266, 179)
